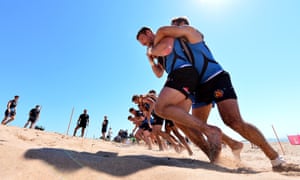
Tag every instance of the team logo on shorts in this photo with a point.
(218, 93)
(186, 89)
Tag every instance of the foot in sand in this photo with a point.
(215, 142)
(236, 151)
(178, 148)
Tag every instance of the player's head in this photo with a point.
(152, 91)
(135, 99)
(38, 107)
(179, 21)
(145, 36)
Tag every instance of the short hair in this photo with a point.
(142, 31)
(152, 91)
(134, 98)
(179, 20)
(131, 109)
(16, 96)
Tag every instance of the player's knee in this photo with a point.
(233, 123)
(159, 109)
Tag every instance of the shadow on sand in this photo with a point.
(110, 163)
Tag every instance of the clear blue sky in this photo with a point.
(83, 54)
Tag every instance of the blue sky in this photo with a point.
(83, 54)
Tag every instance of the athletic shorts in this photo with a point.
(169, 123)
(145, 126)
(104, 128)
(184, 80)
(9, 114)
(200, 104)
(217, 89)
(157, 119)
(32, 119)
(82, 124)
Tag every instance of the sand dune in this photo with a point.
(33, 154)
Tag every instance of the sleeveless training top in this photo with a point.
(176, 59)
(204, 61)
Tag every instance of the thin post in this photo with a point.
(278, 140)
(70, 120)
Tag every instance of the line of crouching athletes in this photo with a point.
(149, 126)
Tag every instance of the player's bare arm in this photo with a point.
(191, 34)
(162, 48)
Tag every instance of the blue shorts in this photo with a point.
(145, 125)
(200, 104)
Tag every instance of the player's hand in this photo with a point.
(149, 51)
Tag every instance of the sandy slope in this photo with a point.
(33, 154)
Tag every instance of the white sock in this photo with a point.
(276, 162)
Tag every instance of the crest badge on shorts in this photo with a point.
(218, 93)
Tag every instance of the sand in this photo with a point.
(33, 154)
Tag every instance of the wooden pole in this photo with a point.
(278, 140)
(70, 120)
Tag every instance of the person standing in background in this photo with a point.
(82, 122)
(104, 127)
(109, 134)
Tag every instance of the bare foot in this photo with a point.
(214, 138)
(190, 151)
(178, 149)
(161, 148)
(236, 151)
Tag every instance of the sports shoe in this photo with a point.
(276, 162)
